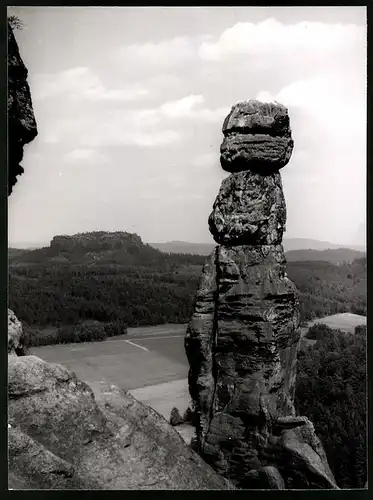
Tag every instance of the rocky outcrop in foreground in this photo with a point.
(243, 337)
(61, 437)
(15, 335)
(22, 127)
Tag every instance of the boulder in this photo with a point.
(15, 335)
(299, 454)
(61, 437)
(257, 137)
(249, 210)
(265, 478)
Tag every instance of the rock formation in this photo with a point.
(15, 335)
(243, 337)
(62, 437)
(257, 137)
(22, 127)
(60, 434)
(96, 241)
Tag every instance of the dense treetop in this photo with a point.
(331, 392)
(109, 276)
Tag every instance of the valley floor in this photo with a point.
(149, 362)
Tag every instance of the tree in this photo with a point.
(175, 417)
(331, 391)
(15, 23)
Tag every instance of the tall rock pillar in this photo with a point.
(242, 340)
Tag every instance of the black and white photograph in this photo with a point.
(186, 239)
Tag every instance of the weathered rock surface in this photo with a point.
(266, 478)
(22, 127)
(241, 345)
(242, 339)
(15, 335)
(249, 210)
(298, 454)
(257, 137)
(60, 437)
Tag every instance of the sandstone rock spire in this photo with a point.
(243, 337)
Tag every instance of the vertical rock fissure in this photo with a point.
(245, 330)
(215, 333)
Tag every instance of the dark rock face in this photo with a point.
(22, 127)
(243, 337)
(249, 209)
(256, 134)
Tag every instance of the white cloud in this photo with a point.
(157, 139)
(333, 100)
(45, 85)
(181, 108)
(81, 84)
(265, 96)
(152, 127)
(85, 154)
(273, 36)
(212, 115)
(168, 52)
(99, 93)
(188, 107)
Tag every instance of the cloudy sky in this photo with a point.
(130, 103)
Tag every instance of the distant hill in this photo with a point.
(105, 277)
(90, 248)
(108, 276)
(27, 245)
(313, 249)
(335, 256)
(185, 247)
(310, 244)
(16, 252)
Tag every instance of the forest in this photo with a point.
(331, 392)
(136, 284)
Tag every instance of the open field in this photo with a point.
(344, 321)
(150, 362)
(145, 356)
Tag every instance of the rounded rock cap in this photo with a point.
(256, 117)
(257, 137)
